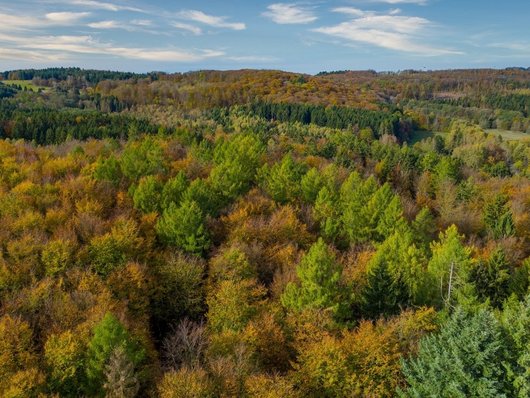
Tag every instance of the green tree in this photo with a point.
(498, 218)
(142, 158)
(465, 359)
(319, 275)
(146, 196)
(173, 190)
(108, 335)
(108, 169)
(311, 184)
(395, 275)
(282, 180)
(327, 213)
(492, 278)
(184, 227)
(449, 269)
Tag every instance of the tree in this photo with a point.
(492, 278)
(319, 275)
(449, 269)
(311, 184)
(233, 304)
(19, 372)
(465, 359)
(327, 212)
(394, 276)
(282, 180)
(184, 227)
(186, 383)
(142, 158)
(63, 354)
(121, 380)
(147, 194)
(173, 190)
(498, 218)
(108, 335)
(57, 256)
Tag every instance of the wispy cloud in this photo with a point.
(12, 22)
(58, 47)
(187, 27)
(66, 18)
(390, 31)
(419, 2)
(99, 5)
(290, 13)
(211, 20)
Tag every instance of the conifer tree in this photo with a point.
(319, 275)
(184, 227)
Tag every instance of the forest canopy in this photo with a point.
(264, 234)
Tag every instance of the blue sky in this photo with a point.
(307, 36)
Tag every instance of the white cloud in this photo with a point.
(187, 27)
(106, 25)
(211, 20)
(419, 2)
(142, 22)
(391, 31)
(61, 47)
(12, 22)
(289, 13)
(66, 18)
(100, 5)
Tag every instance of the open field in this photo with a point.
(509, 135)
(23, 83)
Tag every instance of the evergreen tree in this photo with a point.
(498, 218)
(282, 180)
(449, 269)
(492, 278)
(146, 196)
(173, 190)
(184, 227)
(465, 359)
(319, 275)
(311, 184)
(108, 335)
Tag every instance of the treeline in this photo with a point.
(379, 122)
(90, 75)
(50, 126)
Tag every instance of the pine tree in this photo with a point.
(146, 196)
(311, 184)
(498, 218)
(319, 275)
(173, 190)
(465, 359)
(492, 278)
(184, 227)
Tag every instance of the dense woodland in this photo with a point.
(264, 234)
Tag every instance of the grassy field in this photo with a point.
(22, 83)
(417, 136)
(509, 135)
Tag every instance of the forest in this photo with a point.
(265, 234)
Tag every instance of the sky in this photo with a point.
(306, 36)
